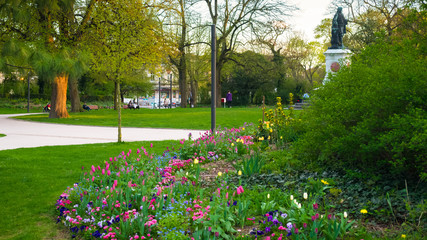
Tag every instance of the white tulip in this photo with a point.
(305, 195)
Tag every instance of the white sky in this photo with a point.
(310, 14)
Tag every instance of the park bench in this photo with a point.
(93, 107)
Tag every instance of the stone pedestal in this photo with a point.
(334, 58)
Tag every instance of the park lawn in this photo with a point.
(179, 118)
(17, 110)
(33, 178)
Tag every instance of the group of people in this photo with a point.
(133, 105)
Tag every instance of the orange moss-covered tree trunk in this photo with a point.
(59, 97)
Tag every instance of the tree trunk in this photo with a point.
(182, 71)
(116, 96)
(218, 84)
(194, 90)
(59, 97)
(119, 111)
(74, 95)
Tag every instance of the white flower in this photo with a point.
(305, 195)
(299, 205)
(268, 195)
(295, 201)
(292, 197)
(345, 214)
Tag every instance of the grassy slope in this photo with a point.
(190, 118)
(33, 178)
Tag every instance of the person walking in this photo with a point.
(229, 99)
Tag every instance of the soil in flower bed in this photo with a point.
(211, 170)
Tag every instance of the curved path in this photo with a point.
(25, 134)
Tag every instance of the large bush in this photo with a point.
(371, 116)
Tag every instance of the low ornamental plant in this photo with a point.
(138, 195)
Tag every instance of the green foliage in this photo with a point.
(278, 127)
(173, 226)
(376, 121)
(252, 165)
(121, 47)
(277, 161)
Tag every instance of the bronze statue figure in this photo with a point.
(338, 30)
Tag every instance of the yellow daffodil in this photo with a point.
(403, 236)
(219, 174)
(271, 130)
(232, 144)
(281, 137)
(196, 161)
(261, 138)
(363, 211)
(243, 129)
(324, 182)
(268, 137)
(239, 173)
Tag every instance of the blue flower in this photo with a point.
(96, 234)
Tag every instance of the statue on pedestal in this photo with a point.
(338, 30)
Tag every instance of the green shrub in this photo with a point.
(371, 116)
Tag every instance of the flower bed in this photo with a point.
(139, 195)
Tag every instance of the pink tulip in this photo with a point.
(93, 168)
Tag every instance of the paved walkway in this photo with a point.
(25, 134)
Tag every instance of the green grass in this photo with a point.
(18, 110)
(181, 118)
(33, 178)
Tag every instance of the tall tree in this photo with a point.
(179, 59)
(124, 37)
(235, 17)
(49, 30)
